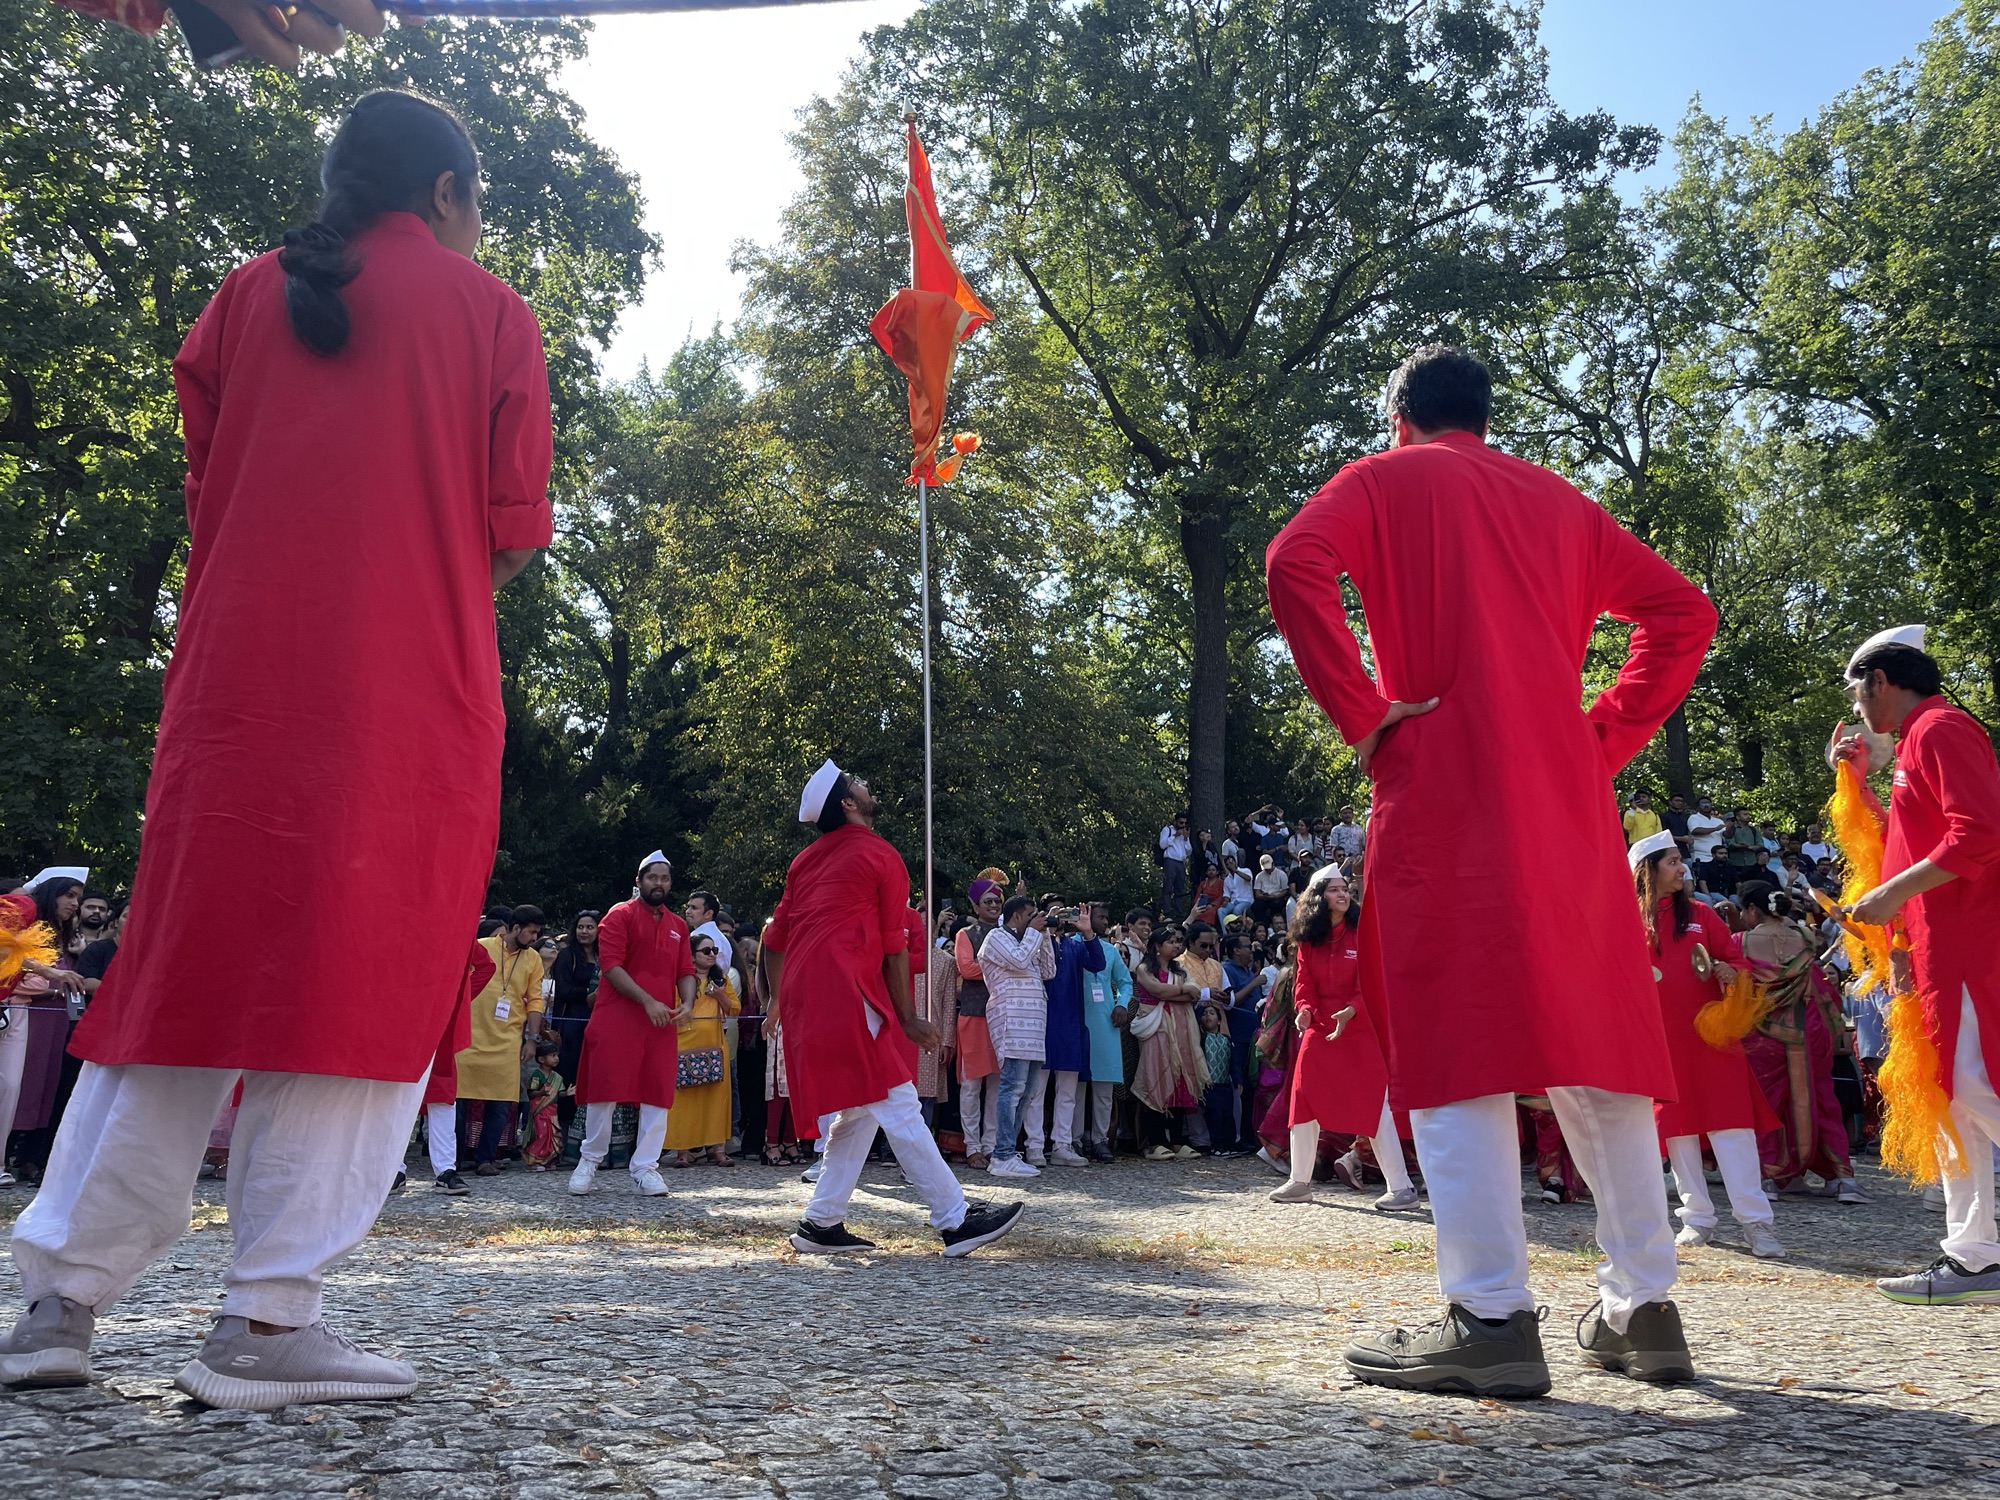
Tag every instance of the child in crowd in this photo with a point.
(544, 1088)
(1219, 1103)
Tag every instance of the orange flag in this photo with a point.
(921, 327)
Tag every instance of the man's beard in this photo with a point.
(654, 898)
(96, 926)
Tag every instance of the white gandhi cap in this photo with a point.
(812, 801)
(1897, 635)
(1653, 843)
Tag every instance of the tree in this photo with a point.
(130, 184)
(1236, 215)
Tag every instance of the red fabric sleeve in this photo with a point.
(611, 940)
(968, 961)
(1954, 755)
(479, 968)
(198, 386)
(686, 969)
(1675, 622)
(915, 940)
(523, 442)
(892, 901)
(1716, 936)
(780, 923)
(143, 16)
(1302, 571)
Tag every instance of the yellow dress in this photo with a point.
(700, 1116)
(491, 1067)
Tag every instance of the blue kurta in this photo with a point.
(1105, 988)
(1068, 1046)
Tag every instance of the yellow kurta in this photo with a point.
(491, 1067)
(700, 1116)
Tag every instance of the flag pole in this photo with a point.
(924, 577)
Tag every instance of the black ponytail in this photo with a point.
(387, 154)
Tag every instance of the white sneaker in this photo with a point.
(1934, 1198)
(6, 1178)
(1694, 1234)
(1292, 1192)
(811, 1173)
(1064, 1156)
(1283, 1169)
(1763, 1241)
(1036, 1157)
(584, 1178)
(649, 1182)
(1847, 1190)
(1012, 1166)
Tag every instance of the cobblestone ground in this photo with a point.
(1153, 1332)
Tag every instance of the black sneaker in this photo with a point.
(397, 1185)
(1099, 1151)
(451, 1183)
(1652, 1347)
(983, 1224)
(1459, 1353)
(832, 1239)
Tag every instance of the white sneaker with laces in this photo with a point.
(649, 1182)
(584, 1178)
(1764, 1243)
(1694, 1234)
(1012, 1166)
(1036, 1157)
(1064, 1156)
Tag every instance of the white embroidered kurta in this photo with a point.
(1017, 1007)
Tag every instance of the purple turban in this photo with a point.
(976, 892)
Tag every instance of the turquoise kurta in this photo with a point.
(1103, 992)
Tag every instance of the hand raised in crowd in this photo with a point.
(269, 33)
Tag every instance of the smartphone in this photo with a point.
(210, 41)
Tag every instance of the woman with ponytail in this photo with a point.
(1716, 1095)
(366, 414)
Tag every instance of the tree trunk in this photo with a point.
(1680, 756)
(618, 684)
(1202, 532)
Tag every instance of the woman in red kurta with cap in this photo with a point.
(367, 423)
(631, 1047)
(1941, 878)
(1483, 579)
(837, 956)
(1340, 1081)
(1715, 1092)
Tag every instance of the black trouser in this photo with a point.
(750, 1104)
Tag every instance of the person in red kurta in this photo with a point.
(1715, 1092)
(1483, 578)
(1941, 876)
(368, 440)
(631, 1046)
(441, 1086)
(1340, 1081)
(837, 956)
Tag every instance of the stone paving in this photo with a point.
(1153, 1332)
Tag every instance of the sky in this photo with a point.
(698, 105)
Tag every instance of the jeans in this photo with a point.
(1016, 1075)
(492, 1125)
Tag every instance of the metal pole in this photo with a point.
(924, 577)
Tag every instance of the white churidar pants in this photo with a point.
(1742, 1177)
(1388, 1150)
(900, 1117)
(1471, 1157)
(13, 1061)
(310, 1165)
(979, 1113)
(1971, 1237)
(645, 1149)
(441, 1125)
(1034, 1111)
(1100, 1113)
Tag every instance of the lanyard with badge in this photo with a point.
(503, 1007)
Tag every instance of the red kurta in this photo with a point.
(1339, 1083)
(1483, 578)
(626, 1058)
(332, 720)
(1714, 1088)
(1945, 807)
(845, 910)
(442, 1085)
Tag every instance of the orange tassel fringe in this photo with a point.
(18, 945)
(1916, 1119)
(1725, 1022)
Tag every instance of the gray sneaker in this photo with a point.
(1652, 1347)
(1943, 1283)
(50, 1345)
(1764, 1241)
(243, 1371)
(1461, 1353)
(1397, 1203)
